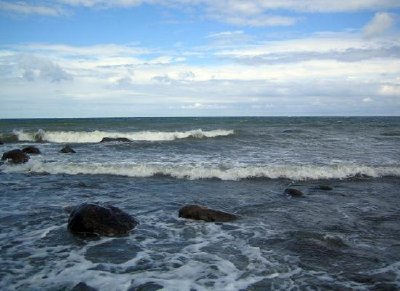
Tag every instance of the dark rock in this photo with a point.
(111, 139)
(93, 219)
(67, 150)
(82, 184)
(31, 150)
(1, 142)
(293, 192)
(83, 287)
(16, 156)
(325, 187)
(198, 212)
(150, 286)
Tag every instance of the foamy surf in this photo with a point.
(97, 136)
(292, 172)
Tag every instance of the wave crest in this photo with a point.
(97, 136)
(293, 172)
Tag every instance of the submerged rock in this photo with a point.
(15, 156)
(111, 139)
(67, 150)
(325, 187)
(93, 219)
(31, 150)
(293, 192)
(198, 212)
(83, 287)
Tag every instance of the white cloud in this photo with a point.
(308, 73)
(251, 7)
(380, 23)
(31, 9)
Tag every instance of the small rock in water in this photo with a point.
(198, 212)
(67, 150)
(83, 287)
(150, 286)
(325, 187)
(31, 150)
(16, 156)
(110, 139)
(93, 219)
(1, 142)
(293, 192)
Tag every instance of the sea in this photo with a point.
(343, 233)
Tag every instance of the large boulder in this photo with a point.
(31, 150)
(113, 139)
(198, 212)
(15, 156)
(67, 150)
(93, 219)
(293, 192)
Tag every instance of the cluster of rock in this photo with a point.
(20, 156)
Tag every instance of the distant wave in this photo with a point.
(293, 172)
(97, 136)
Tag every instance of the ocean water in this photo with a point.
(347, 238)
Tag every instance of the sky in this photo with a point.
(121, 58)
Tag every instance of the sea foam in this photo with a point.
(293, 172)
(97, 136)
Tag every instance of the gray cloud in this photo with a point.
(34, 68)
(379, 25)
(348, 55)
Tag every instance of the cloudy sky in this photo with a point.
(86, 58)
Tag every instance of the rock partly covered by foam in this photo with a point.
(293, 192)
(82, 286)
(31, 150)
(198, 212)
(15, 156)
(67, 150)
(119, 139)
(93, 219)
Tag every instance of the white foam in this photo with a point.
(293, 172)
(97, 136)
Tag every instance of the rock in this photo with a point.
(1, 142)
(150, 286)
(293, 192)
(93, 219)
(31, 150)
(67, 150)
(16, 156)
(325, 187)
(83, 287)
(198, 212)
(111, 139)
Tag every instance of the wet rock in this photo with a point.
(31, 150)
(67, 150)
(111, 139)
(1, 142)
(325, 187)
(15, 156)
(93, 219)
(83, 287)
(150, 286)
(198, 212)
(293, 192)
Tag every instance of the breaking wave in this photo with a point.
(97, 136)
(293, 172)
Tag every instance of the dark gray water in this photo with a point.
(346, 238)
